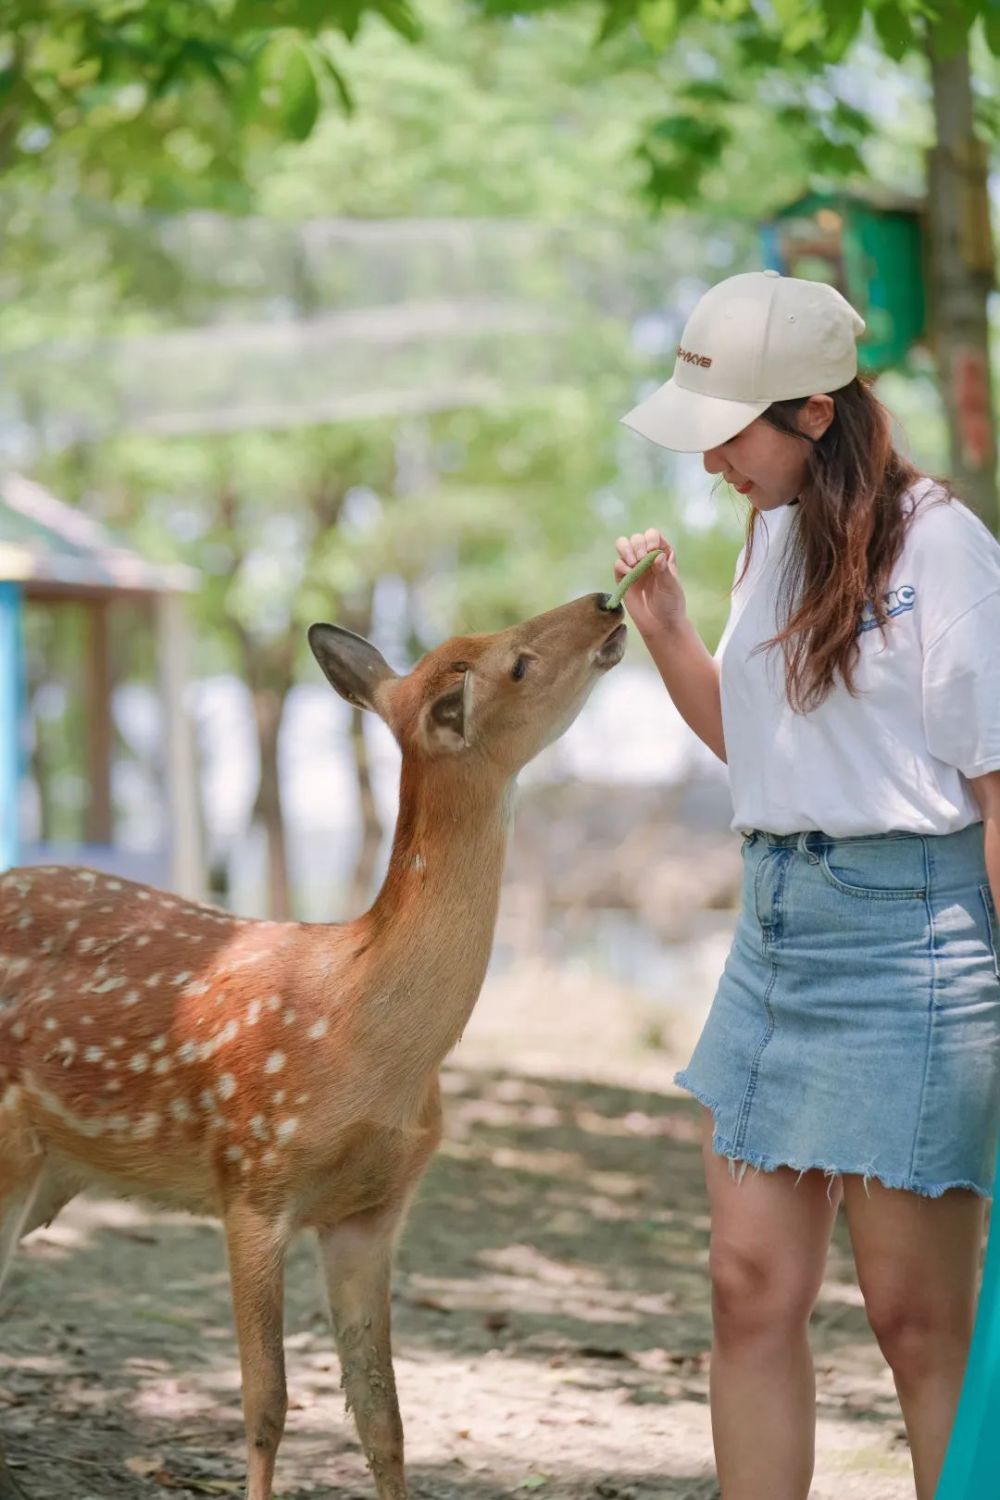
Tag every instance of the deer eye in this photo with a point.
(519, 668)
(460, 666)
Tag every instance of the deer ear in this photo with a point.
(352, 664)
(446, 719)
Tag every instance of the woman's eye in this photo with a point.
(519, 668)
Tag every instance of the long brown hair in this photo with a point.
(850, 531)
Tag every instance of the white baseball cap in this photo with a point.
(751, 339)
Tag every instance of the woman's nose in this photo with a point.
(713, 461)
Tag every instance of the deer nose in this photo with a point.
(602, 602)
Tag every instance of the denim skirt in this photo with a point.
(856, 1027)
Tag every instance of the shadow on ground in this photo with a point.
(551, 1324)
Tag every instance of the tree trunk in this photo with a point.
(269, 707)
(361, 887)
(961, 277)
(360, 890)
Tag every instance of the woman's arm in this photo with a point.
(986, 790)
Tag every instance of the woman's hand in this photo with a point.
(656, 600)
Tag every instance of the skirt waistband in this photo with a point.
(814, 839)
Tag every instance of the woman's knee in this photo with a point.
(758, 1291)
(917, 1332)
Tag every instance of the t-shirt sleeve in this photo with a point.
(961, 690)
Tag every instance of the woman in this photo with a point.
(853, 1048)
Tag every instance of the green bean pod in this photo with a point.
(614, 600)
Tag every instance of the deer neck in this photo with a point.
(430, 930)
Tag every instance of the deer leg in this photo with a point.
(357, 1264)
(15, 1207)
(256, 1246)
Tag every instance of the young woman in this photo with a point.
(853, 1048)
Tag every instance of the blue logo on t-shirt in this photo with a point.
(897, 602)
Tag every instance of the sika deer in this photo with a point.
(284, 1075)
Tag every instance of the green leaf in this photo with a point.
(894, 30)
(707, 91)
(332, 70)
(617, 16)
(658, 21)
(991, 26)
(299, 93)
(400, 17)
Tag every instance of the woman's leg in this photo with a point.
(918, 1261)
(769, 1241)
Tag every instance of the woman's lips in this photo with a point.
(744, 488)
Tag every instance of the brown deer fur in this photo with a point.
(284, 1075)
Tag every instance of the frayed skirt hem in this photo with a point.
(763, 1162)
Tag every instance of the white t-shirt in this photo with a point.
(927, 713)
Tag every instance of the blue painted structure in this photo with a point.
(51, 554)
(11, 720)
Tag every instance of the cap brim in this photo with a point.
(689, 422)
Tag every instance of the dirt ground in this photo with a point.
(551, 1305)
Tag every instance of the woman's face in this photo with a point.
(768, 466)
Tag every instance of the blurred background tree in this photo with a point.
(342, 307)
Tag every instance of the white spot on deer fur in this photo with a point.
(180, 1109)
(72, 926)
(182, 977)
(302, 1098)
(162, 1065)
(187, 1052)
(110, 1065)
(117, 1043)
(228, 1032)
(142, 940)
(131, 998)
(11, 1095)
(119, 1124)
(198, 988)
(147, 1125)
(112, 885)
(269, 1156)
(19, 1031)
(253, 1012)
(157, 1044)
(153, 981)
(86, 1020)
(143, 895)
(258, 1127)
(207, 1099)
(113, 1085)
(67, 1046)
(139, 1062)
(288, 1017)
(274, 1002)
(279, 1097)
(24, 922)
(50, 1023)
(275, 1062)
(234, 1153)
(318, 1029)
(285, 1129)
(93, 1054)
(226, 1086)
(85, 944)
(116, 982)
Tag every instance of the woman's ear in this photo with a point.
(815, 416)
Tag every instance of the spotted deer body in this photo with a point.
(285, 1075)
